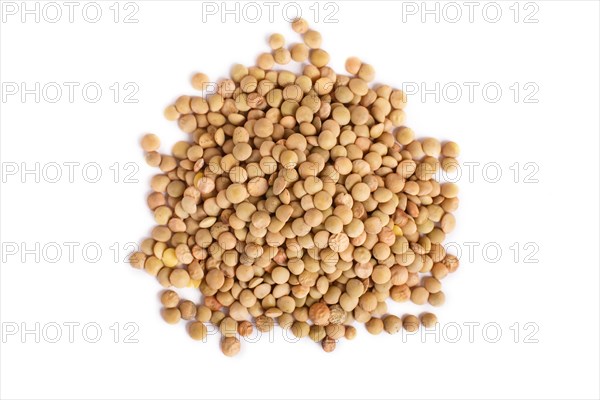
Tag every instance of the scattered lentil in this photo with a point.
(301, 198)
(171, 315)
(230, 346)
(197, 330)
(150, 142)
(428, 320)
(392, 324)
(374, 326)
(199, 81)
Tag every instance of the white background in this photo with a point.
(558, 215)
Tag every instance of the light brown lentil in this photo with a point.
(197, 330)
(428, 320)
(302, 198)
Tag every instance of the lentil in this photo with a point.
(230, 346)
(410, 323)
(300, 25)
(428, 320)
(150, 142)
(197, 331)
(199, 81)
(187, 309)
(328, 344)
(392, 324)
(171, 315)
(301, 198)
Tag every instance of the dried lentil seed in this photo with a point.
(428, 320)
(187, 309)
(169, 299)
(410, 323)
(312, 39)
(299, 52)
(230, 346)
(302, 206)
(374, 326)
(199, 81)
(353, 65)
(150, 142)
(392, 324)
(197, 331)
(450, 149)
(319, 313)
(171, 315)
(245, 328)
(300, 26)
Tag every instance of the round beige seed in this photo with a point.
(150, 142)
(289, 159)
(449, 190)
(300, 26)
(312, 39)
(350, 332)
(171, 315)
(319, 313)
(242, 151)
(245, 328)
(228, 327)
(450, 149)
(187, 309)
(328, 344)
(215, 279)
(360, 192)
(432, 285)
(366, 72)
(374, 326)
(230, 346)
(419, 295)
(319, 58)
(282, 56)
(437, 299)
(263, 128)
(429, 320)
(169, 299)
(171, 113)
(432, 147)
(179, 278)
(276, 41)
(265, 61)
(203, 313)
(381, 274)
(236, 193)
(197, 330)
(300, 329)
(392, 324)
(299, 52)
(200, 81)
(410, 323)
(353, 65)
(280, 275)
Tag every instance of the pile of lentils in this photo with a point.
(300, 200)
